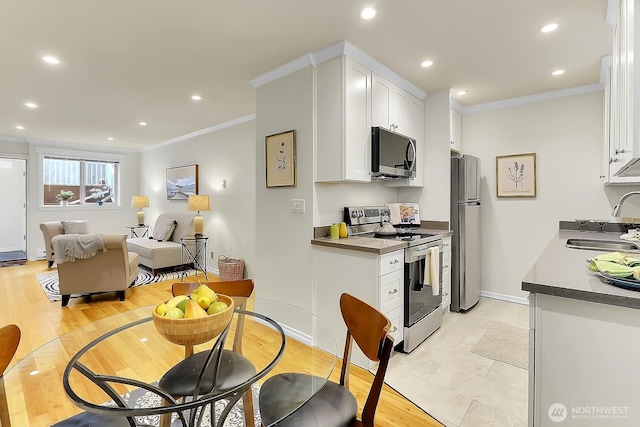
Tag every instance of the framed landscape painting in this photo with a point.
(280, 153)
(182, 182)
(516, 175)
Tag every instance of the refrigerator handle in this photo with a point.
(471, 202)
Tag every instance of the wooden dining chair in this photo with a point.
(9, 340)
(234, 368)
(333, 405)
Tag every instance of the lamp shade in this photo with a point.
(139, 201)
(198, 203)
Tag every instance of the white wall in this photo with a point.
(283, 247)
(566, 135)
(228, 153)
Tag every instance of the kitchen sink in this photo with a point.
(603, 245)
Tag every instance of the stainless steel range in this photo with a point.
(422, 297)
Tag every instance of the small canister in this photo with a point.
(342, 230)
(334, 231)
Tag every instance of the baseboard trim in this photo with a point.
(503, 297)
(288, 331)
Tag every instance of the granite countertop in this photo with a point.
(372, 244)
(563, 272)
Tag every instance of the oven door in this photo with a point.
(419, 298)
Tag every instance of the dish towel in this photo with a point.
(434, 266)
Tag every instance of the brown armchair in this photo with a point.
(113, 270)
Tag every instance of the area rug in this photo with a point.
(49, 281)
(505, 343)
(141, 398)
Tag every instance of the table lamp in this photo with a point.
(140, 202)
(198, 203)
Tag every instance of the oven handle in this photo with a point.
(417, 253)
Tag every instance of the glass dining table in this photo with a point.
(66, 379)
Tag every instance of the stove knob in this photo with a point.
(354, 214)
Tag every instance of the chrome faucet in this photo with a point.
(616, 209)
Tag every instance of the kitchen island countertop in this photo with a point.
(371, 244)
(563, 272)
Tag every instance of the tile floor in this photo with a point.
(461, 388)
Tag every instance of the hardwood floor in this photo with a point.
(23, 303)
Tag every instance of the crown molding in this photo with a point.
(341, 48)
(532, 98)
(201, 132)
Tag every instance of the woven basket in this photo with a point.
(197, 330)
(230, 268)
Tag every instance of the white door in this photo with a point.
(13, 237)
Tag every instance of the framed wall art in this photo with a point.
(516, 175)
(182, 182)
(280, 157)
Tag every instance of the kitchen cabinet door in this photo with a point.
(455, 132)
(343, 145)
(391, 107)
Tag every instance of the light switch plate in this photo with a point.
(297, 205)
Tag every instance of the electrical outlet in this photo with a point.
(211, 254)
(297, 205)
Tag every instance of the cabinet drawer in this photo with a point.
(446, 244)
(446, 263)
(391, 262)
(395, 316)
(391, 290)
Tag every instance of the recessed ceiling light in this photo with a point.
(368, 13)
(427, 63)
(461, 92)
(30, 105)
(557, 73)
(196, 97)
(548, 28)
(142, 123)
(51, 60)
(110, 139)
(20, 127)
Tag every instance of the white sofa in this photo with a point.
(156, 254)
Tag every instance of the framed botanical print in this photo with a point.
(516, 175)
(280, 157)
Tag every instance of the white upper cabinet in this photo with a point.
(455, 131)
(390, 106)
(343, 108)
(622, 102)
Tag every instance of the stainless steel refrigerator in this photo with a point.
(465, 223)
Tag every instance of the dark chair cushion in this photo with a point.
(181, 380)
(331, 406)
(86, 419)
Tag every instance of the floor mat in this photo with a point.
(50, 285)
(505, 343)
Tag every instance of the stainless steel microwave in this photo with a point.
(392, 155)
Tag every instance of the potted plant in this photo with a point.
(63, 196)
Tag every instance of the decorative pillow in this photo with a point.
(78, 226)
(164, 229)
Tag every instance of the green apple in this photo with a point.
(174, 313)
(182, 305)
(217, 307)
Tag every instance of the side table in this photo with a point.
(135, 229)
(195, 248)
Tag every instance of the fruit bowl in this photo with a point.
(195, 330)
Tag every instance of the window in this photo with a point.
(92, 182)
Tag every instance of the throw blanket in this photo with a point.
(69, 247)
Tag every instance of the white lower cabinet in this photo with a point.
(446, 274)
(583, 363)
(376, 279)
